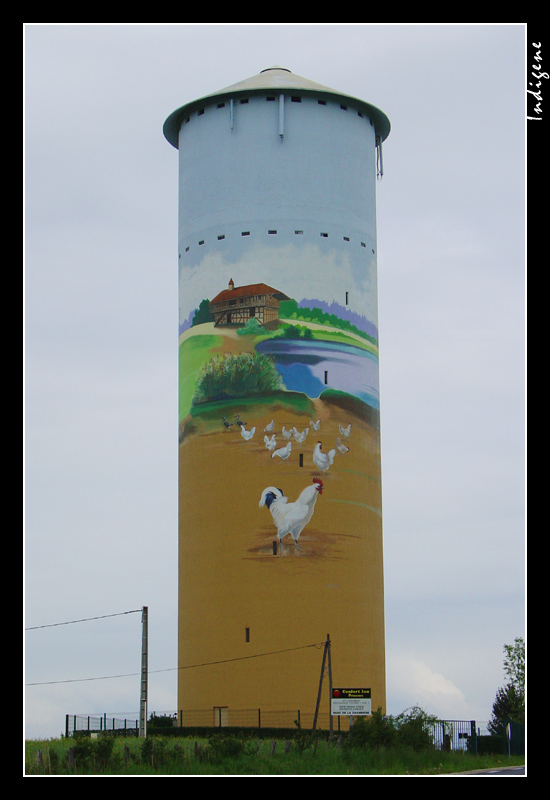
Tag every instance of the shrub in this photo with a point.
(231, 376)
(103, 749)
(372, 732)
(410, 729)
(220, 747)
(413, 728)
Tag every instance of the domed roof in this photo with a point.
(276, 79)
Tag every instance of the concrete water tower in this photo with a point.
(280, 516)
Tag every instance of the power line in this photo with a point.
(173, 669)
(72, 622)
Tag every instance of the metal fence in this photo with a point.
(80, 723)
(223, 717)
(456, 735)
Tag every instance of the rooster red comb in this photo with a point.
(320, 482)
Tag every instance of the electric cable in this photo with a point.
(173, 669)
(72, 622)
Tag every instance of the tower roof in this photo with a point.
(276, 79)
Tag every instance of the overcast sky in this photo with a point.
(101, 347)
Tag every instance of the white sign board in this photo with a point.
(351, 702)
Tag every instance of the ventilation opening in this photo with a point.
(247, 634)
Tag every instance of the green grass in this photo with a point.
(187, 756)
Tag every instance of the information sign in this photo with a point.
(351, 702)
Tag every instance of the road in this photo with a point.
(502, 772)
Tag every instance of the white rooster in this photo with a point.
(291, 517)
(247, 434)
(282, 452)
(323, 460)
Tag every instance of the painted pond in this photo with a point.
(311, 366)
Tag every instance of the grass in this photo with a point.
(230, 756)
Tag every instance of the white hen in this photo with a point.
(270, 442)
(341, 447)
(247, 434)
(316, 425)
(300, 437)
(282, 452)
(291, 517)
(344, 431)
(323, 460)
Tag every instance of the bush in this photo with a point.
(410, 729)
(153, 750)
(372, 732)
(232, 376)
(220, 747)
(103, 749)
(413, 729)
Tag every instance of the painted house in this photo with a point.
(236, 305)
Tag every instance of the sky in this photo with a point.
(101, 345)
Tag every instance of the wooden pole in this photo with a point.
(329, 690)
(320, 683)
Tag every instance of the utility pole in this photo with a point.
(144, 672)
(326, 652)
(331, 731)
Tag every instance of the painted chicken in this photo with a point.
(300, 437)
(270, 442)
(283, 452)
(291, 517)
(323, 460)
(341, 447)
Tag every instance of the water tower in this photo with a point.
(280, 515)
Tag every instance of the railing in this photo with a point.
(456, 735)
(100, 723)
(258, 718)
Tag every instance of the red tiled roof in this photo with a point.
(251, 290)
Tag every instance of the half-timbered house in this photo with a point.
(236, 305)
